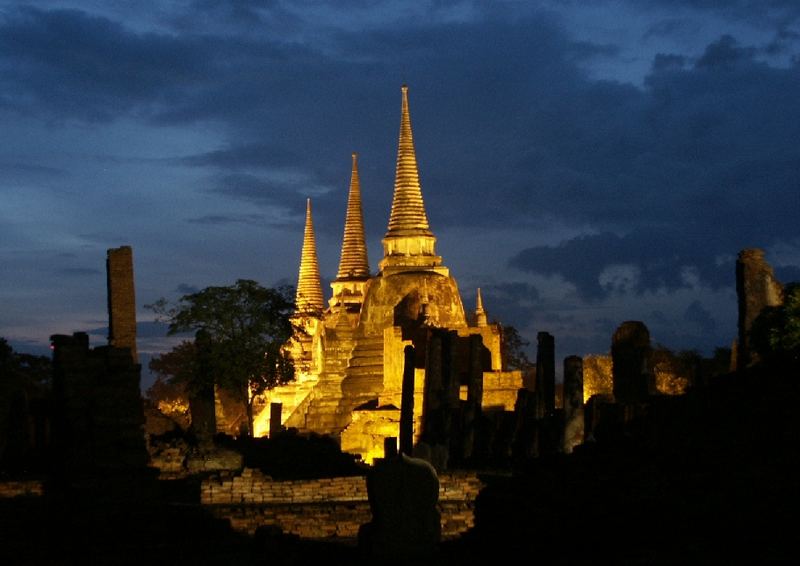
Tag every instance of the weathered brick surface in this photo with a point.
(121, 300)
(322, 508)
(26, 488)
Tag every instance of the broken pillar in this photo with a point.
(545, 374)
(275, 413)
(573, 402)
(407, 403)
(630, 355)
(440, 420)
(756, 288)
(472, 408)
(121, 300)
(390, 447)
(202, 393)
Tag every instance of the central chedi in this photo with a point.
(349, 355)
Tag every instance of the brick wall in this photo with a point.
(27, 488)
(321, 508)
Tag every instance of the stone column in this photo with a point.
(545, 375)
(121, 300)
(389, 447)
(202, 398)
(472, 409)
(756, 288)
(407, 403)
(573, 402)
(275, 426)
(630, 354)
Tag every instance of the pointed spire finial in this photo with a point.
(354, 263)
(408, 209)
(309, 289)
(480, 314)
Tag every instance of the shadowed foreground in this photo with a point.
(710, 477)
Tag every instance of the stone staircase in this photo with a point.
(364, 380)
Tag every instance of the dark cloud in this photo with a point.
(78, 271)
(698, 164)
(15, 169)
(761, 12)
(695, 313)
(668, 27)
(512, 131)
(256, 155)
(186, 289)
(146, 329)
(261, 191)
(66, 63)
(788, 273)
(660, 260)
(222, 219)
(512, 303)
(724, 52)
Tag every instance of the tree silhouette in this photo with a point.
(240, 334)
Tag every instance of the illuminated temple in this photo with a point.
(349, 354)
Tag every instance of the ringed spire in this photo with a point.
(354, 263)
(408, 215)
(309, 289)
(480, 313)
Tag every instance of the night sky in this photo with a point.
(583, 163)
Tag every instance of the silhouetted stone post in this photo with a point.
(121, 300)
(407, 403)
(432, 424)
(201, 398)
(545, 374)
(472, 409)
(390, 447)
(275, 413)
(630, 353)
(406, 524)
(573, 402)
(756, 288)
(525, 444)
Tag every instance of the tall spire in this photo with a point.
(409, 242)
(354, 263)
(309, 289)
(480, 314)
(408, 210)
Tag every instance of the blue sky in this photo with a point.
(583, 163)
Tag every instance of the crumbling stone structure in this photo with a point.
(324, 508)
(350, 352)
(756, 288)
(98, 425)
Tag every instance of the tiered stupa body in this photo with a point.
(350, 357)
(412, 288)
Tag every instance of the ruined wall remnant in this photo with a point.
(756, 288)
(545, 374)
(121, 300)
(573, 402)
(99, 419)
(597, 376)
(324, 508)
(630, 353)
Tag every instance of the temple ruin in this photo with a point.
(349, 354)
